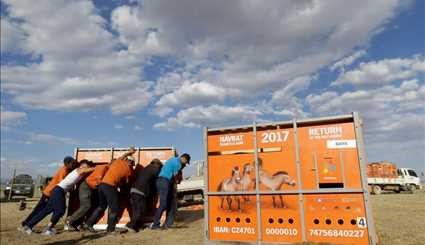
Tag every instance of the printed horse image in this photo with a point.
(231, 184)
(247, 181)
(274, 182)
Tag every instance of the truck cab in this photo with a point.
(21, 185)
(410, 178)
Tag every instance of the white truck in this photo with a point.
(191, 189)
(407, 180)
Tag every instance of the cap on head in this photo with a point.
(187, 156)
(68, 160)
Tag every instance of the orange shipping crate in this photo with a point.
(143, 156)
(381, 170)
(288, 182)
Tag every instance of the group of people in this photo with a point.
(107, 184)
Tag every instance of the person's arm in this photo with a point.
(129, 153)
(85, 170)
(179, 177)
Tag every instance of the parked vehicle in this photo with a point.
(386, 176)
(191, 189)
(21, 185)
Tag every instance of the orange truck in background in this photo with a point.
(385, 175)
(142, 156)
(288, 182)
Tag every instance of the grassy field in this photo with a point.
(399, 218)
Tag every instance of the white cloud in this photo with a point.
(8, 165)
(25, 165)
(383, 71)
(191, 94)
(346, 61)
(11, 118)
(81, 67)
(51, 139)
(11, 36)
(394, 118)
(213, 115)
(232, 55)
(137, 128)
(250, 48)
(118, 126)
(169, 82)
(54, 165)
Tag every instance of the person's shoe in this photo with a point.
(48, 231)
(130, 229)
(83, 227)
(155, 227)
(70, 226)
(173, 226)
(89, 228)
(25, 229)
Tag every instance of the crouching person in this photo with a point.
(57, 201)
(119, 174)
(140, 191)
(69, 164)
(86, 192)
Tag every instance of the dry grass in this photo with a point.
(399, 219)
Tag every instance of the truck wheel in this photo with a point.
(411, 188)
(376, 189)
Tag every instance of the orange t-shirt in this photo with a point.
(59, 176)
(94, 178)
(119, 172)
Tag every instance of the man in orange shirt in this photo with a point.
(119, 175)
(69, 164)
(87, 189)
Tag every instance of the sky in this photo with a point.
(155, 72)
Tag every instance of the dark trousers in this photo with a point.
(108, 197)
(85, 198)
(163, 187)
(40, 205)
(138, 207)
(171, 205)
(55, 205)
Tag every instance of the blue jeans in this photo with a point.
(163, 187)
(40, 205)
(56, 204)
(171, 204)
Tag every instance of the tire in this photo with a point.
(411, 188)
(376, 189)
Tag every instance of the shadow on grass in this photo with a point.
(188, 216)
(82, 240)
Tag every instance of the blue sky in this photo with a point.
(153, 73)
